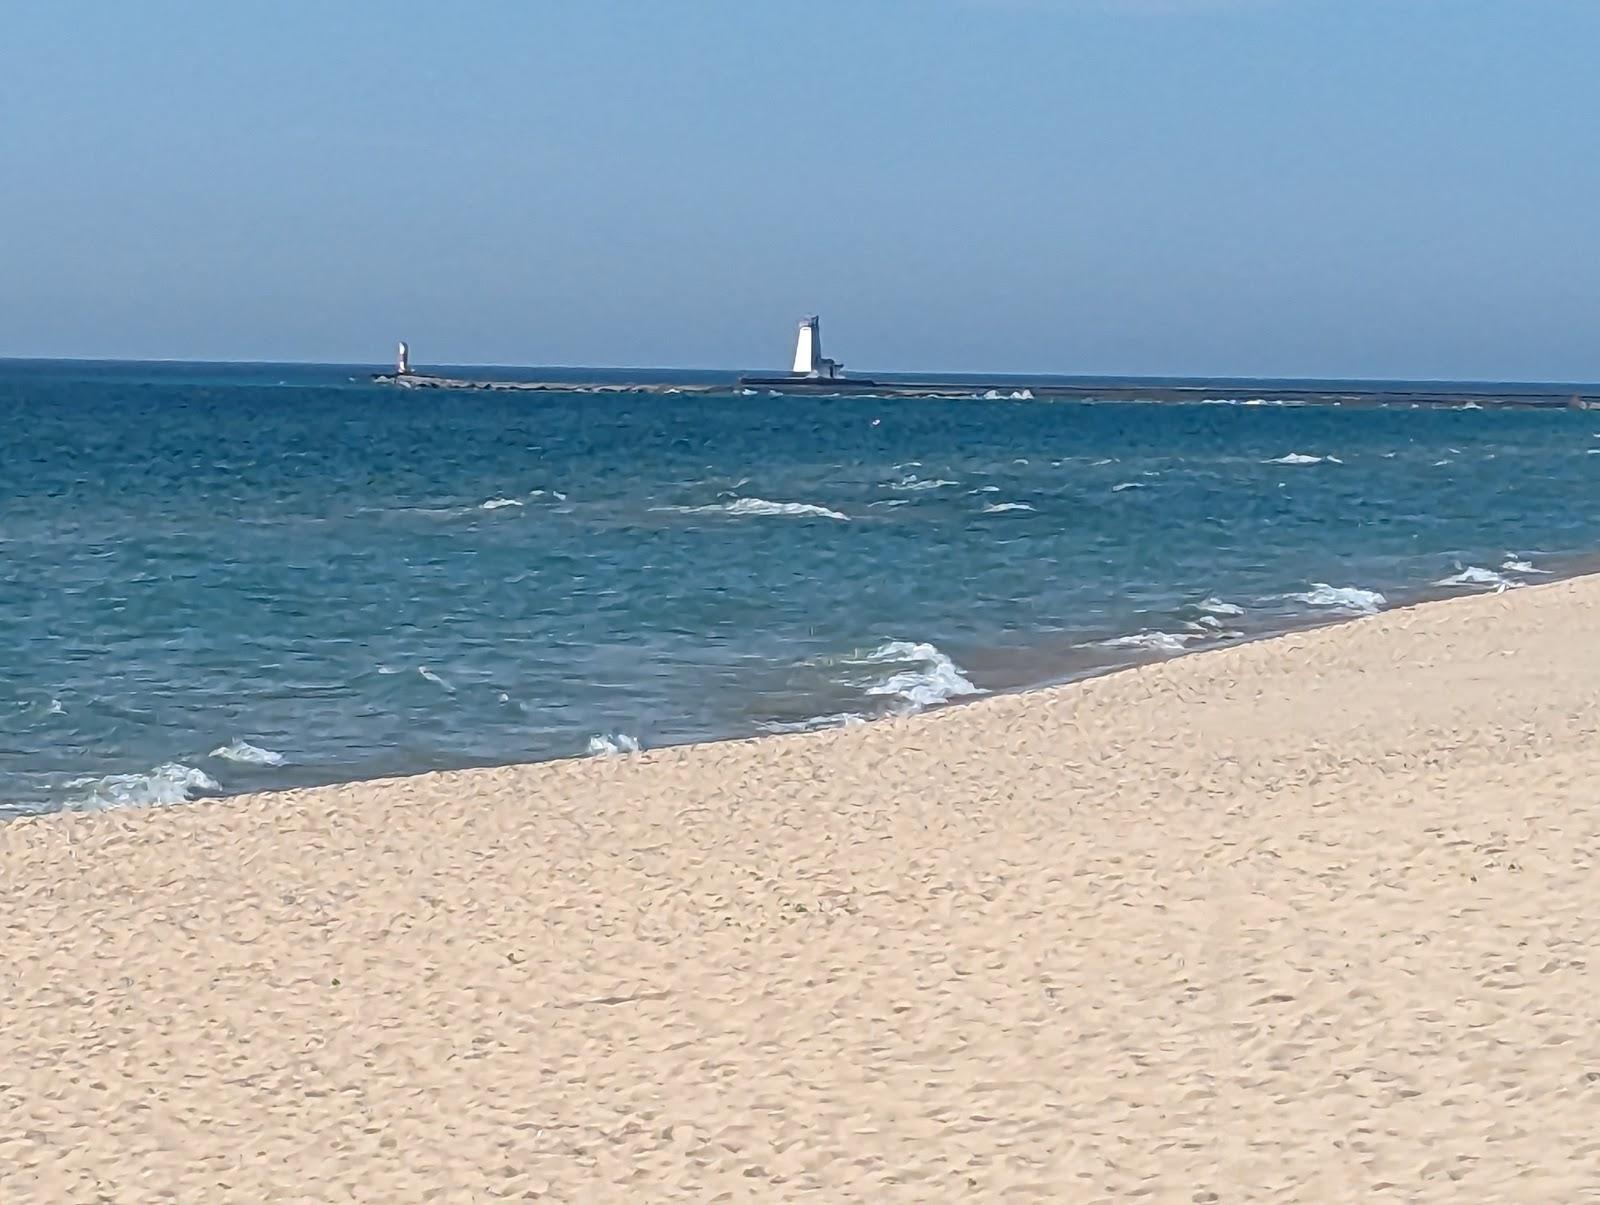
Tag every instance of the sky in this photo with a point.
(1316, 188)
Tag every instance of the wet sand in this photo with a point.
(1310, 919)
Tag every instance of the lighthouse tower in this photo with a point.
(808, 358)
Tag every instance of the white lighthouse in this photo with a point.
(402, 359)
(808, 358)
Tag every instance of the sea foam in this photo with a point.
(1154, 642)
(498, 503)
(931, 677)
(1513, 565)
(612, 744)
(1342, 598)
(247, 754)
(1215, 606)
(1000, 508)
(168, 783)
(1474, 575)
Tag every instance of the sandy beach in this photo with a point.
(1311, 919)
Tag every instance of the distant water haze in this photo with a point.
(227, 578)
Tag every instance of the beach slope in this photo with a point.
(1312, 919)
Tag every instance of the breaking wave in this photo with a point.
(1215, 606)
(1000, 508)
(1127, 485)
(914, 484)
(760, 506)
(930, 678)
(612, 744)
(435, 678)
(1342, 598)
(1474, 575)
(247, 754)
(1154, 642)
(1302, 458)
(498, 503)
(1513, 565)
(168, 783)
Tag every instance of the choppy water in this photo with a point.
(216, 579)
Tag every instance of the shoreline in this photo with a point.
(1075, 662)
(1302, 919)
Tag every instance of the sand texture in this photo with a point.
(1315, 919)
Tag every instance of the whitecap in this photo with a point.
(1342, 598)
(1127, 485)
(1440, 463)
(1103, 461)
(1303, 458)
(498, 503)
(915, 484)
(1000, 508)
(612, 744)
(55, 708)
(933, 677)
(1216, 606)
(435, 678)
(745, 507)
(985, 489)
(248, 754)
(168, 783)
(886, 502)
(1474, 575)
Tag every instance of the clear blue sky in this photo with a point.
(1297, 187)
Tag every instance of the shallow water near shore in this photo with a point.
(217, 579)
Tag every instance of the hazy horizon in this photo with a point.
(1315, 189)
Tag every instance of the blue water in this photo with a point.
(293, 558)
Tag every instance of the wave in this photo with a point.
(1016, 395)
(612, 744)
(890, 502)
(932, 679)
(914, 484)
(1000, 508)
(1154, 642)
(1474, 575)
(435, 678)
(168, 783)
(745, 507)
(248, 754)
(1513, 565)
(1103, 460)
(1215, 606)
(1127, 485)
(1303, 458)
(1342, 598)
(498, 503)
